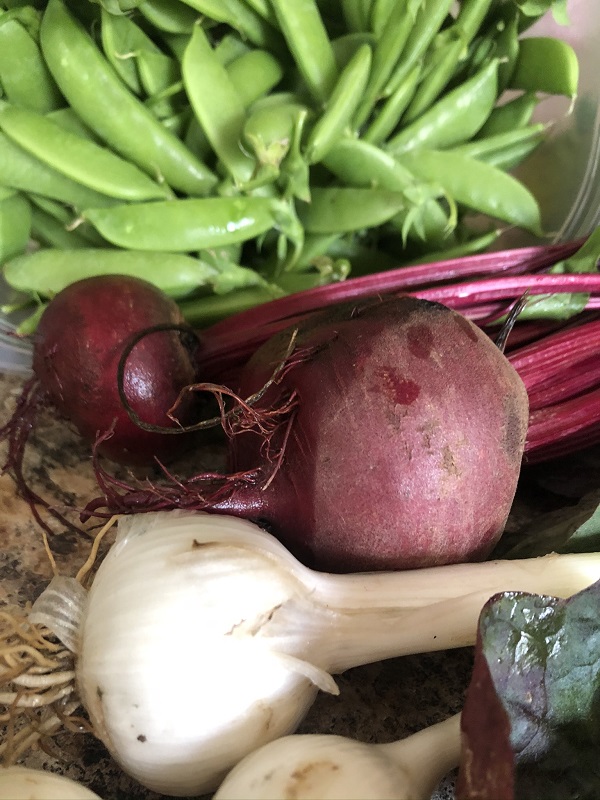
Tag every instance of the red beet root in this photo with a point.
(406, 440)
(77, 347)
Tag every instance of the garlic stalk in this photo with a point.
(23, 783)
(327, 767)
(203, 638)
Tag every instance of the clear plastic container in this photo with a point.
(563, 173)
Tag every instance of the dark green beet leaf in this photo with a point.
(531, 720)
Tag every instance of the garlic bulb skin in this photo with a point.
(23, 783)
(315, 767)
(176, 704)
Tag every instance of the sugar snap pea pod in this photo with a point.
(477, 186)
(387, 51)
(171, 16)
(24, 75)
(47, 231)
(440, 70)
(264, 9)
(121, 40)
(491, 148)
(548, 65)
(118, 7)
(216, 104)
(63, 216)
(340, 107)
(254, 74)
(242, 18)
(46, 272)
(68, 119)
(343, 209)
(361, 164)
(356, 14)
(428, 19)
(95, 91)
(510, 157)
(20, 170)
(386, 117)
(506, 48)
(380, 15)
(469, 247)
(471, 15)
(79, 159)
(345, 46)
(268, 131)
(15, 226)
(158, 72)
(509, 116)
(455, 118)
(308, 41)
(187, 224)
(228, 48)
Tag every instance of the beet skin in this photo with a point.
(77, 347)
(407, 440)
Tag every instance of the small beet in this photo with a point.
(78, 343)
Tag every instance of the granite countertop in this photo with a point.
(377, 703)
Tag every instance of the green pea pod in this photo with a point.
(264, 9)
(254, 74)
(46, 272)
(386, 54)
(308, 41)
(170, 16)
(386, 118)
(361, 164)
(121, 40)
(492, 148)
(455, 118)
(380, 15)
(546, 65)
(77, 158)
(20, 170)
(47, 231)
(342, 209)
(242, 18)
(470, 17)
(440, 70)
(346, 46)
(228, 48)
(95, 92)
(268, 131)
(428, 20)
(340, 107)
(63, 216)
(510, 157)
(158, 72)
(24, 75)
(185, 225)
(477, 244)
(15, 226)
(506, 46)
(217, 105)
(516, 113)
(69, 121)
(356, 14)
(477, 186)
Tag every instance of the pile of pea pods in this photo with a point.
(234, 151)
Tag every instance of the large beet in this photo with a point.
(406, 443)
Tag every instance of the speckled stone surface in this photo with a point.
(377, 703)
